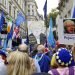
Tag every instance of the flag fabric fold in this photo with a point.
(2, 21)
(73, 16)
(20, 19)
(9, 25)
(73, 10)
(45, 10)
(0, 42)
(9, 35)
(51, 39)
(5, 44)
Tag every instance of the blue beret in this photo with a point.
(3, 53)
(64, 57)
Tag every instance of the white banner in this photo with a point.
(36, 27)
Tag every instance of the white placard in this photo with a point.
(66, 31)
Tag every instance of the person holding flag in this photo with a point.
(16, 39)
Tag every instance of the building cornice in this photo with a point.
(18, 6)
(62, 4)
(33, 2)
(3, 8)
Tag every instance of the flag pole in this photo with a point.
(27, 37)
(46, 32)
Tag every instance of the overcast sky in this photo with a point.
(50, 5)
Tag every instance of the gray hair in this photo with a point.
(23, 48)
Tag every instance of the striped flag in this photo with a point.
(9, 25)
(10, 33)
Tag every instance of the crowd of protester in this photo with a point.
(57, 61)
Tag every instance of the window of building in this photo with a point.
(32, 12)
(28, 12)
(3, 2)
(18, 1)
(9, 9)
(23, 6)
(25, 3)
(65, 16)
(28, 6)
(32, 6)
(67, 0)
(69, 12)
(17, 12)
(14, 12)
(60, 17)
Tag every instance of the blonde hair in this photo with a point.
(68, 22)
(54, 63)
(41, 48)
(19, 64)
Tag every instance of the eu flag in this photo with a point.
(45, 10)
(51, 39)
(73, 10)
(2, 21)
(73, 16)
(20, 19)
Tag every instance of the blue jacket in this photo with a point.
(44, 62)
